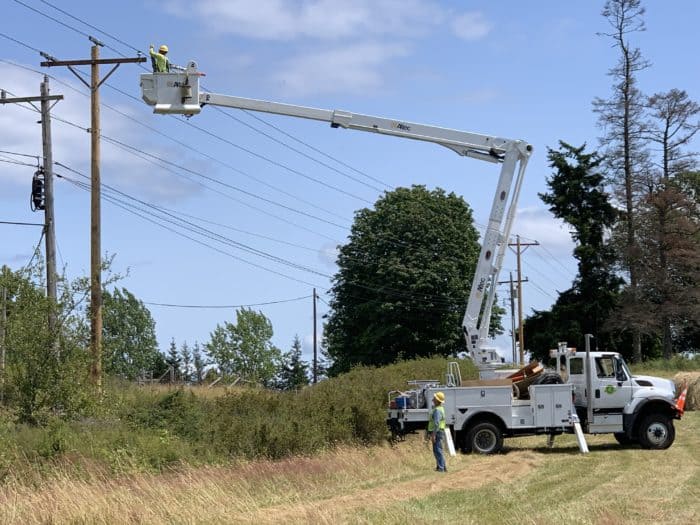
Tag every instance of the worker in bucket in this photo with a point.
(159, 60)
(436, 430)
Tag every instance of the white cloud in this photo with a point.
(471, 26)
(328, 255)
(352, 68)
(318, 19)
(536, 223)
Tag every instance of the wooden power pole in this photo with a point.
(49, 218)
(95, 213)
(520, 248)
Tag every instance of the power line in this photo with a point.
(75, 29)
(296, 139)
(229, 115)
(22, 223)
(8, 37)
(258, 180)
(207, 233)
(159, 222)
(229, 305)
(20, 154)
(90, 26)
(35, 252)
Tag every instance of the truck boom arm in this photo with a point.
(178, 93)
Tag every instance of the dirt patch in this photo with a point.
(475, 473)
(692, 379)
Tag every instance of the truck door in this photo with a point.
(612, 386)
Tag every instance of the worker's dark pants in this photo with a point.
(437, 450)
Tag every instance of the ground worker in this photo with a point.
(159, 60)
(436, 430)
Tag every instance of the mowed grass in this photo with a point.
(528, 483)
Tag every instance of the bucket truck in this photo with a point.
(481, 413)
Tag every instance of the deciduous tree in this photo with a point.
(245, 348)
(403, 280)
(129, 335)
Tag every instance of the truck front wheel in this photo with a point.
(656, 432)
(485, 438)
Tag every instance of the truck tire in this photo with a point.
(485, 438)
(656, 432)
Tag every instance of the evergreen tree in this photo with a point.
(294, 372)
(667, 304)
(622, 118)
(199, 362)
(576, 196)
(185, 361)
(173, 358)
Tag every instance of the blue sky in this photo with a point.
(520, 70)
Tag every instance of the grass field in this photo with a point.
(528, 483)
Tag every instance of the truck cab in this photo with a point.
(637, 409)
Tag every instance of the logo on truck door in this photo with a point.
(610, 389)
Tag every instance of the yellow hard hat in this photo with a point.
(163, 48)
(439, 397)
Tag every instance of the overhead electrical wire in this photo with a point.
(435, 300)
(231, 143)
(228, 305)
(90, 26)
(202, 231)
(325, 165)
(311, 147)
(163, 224)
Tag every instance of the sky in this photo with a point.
(278, 194)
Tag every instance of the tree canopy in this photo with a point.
(129, 341)
(403, 280)
(244, 348)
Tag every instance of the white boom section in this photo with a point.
(178, 93)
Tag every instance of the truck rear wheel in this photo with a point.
(656, 432)
(485, 438)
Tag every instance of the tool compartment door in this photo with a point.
(551, 405)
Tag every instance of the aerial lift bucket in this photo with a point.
(173, 93)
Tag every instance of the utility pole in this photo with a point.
(513, 293)
(49, 218)
(315, 371)
(520, 248)
(95, 213)
(49, 221)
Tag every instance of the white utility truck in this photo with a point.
(480, 414)
(636, 409)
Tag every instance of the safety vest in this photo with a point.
(431, 425)
(161, 64)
